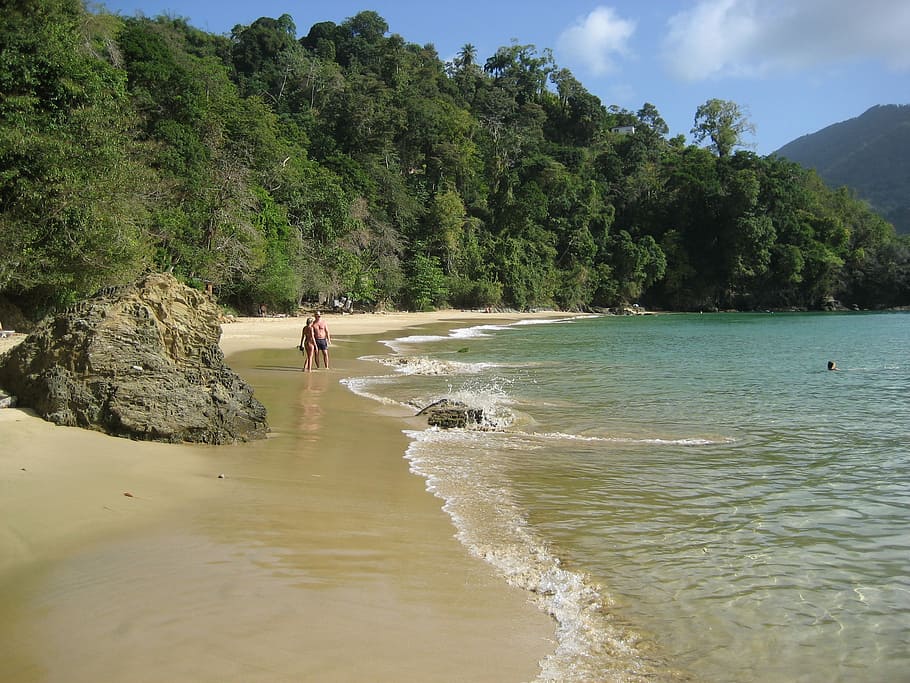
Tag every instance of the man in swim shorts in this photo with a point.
(322, 338)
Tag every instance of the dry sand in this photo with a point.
(317, 557)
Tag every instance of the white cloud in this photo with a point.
(597, 39)
(752, 37)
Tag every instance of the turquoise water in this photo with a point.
(693, 497)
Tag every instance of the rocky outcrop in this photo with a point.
(829, 303)
(447, 414)
(140, 361)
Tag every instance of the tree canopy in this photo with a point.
(350, 161)
(724, 123)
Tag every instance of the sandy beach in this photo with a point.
(313, 555)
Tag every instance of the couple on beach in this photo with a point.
(315, 337)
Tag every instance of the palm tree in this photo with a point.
(467, 57)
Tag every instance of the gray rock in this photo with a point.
(447, 414)
(140, 361)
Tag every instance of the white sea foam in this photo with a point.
(492, 397)
(465, 470)
(631, 440)
(482, 330)
(421, 365)
(477, 331)
(398, 344)
(362, 387)
(421, 338)
(554, 321)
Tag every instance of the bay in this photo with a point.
(692, 497)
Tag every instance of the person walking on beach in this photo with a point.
(308, 344)
(322, 338)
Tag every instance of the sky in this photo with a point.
(793, 66)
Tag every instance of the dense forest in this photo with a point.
(276, 169)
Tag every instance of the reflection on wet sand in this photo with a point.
(310, 398)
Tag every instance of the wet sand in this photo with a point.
(318, 556)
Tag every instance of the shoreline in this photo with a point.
(421, 604)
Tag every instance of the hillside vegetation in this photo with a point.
(870, 153)
(350, 161)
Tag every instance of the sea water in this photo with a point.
(692, 497)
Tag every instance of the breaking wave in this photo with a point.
(422, 365)
(593, 644)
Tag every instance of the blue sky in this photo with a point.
(795, 66)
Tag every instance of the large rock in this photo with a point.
(140, 361)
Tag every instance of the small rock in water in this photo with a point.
(448, 414)
(221, 476)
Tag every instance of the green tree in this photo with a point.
(521, 70)
(467, 57)
(724, 123)
(71, 191)
(466, 73)
(525, 266)
(358, 40)
(426, 287)
(447, 217)
(274, 281)
(261, 55)
(649, 116)
(636, 265)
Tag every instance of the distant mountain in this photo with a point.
(870, 154)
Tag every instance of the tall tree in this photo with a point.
(724, 123)
(649, 116)
(262, 54)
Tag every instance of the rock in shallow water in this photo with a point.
(447, 414)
